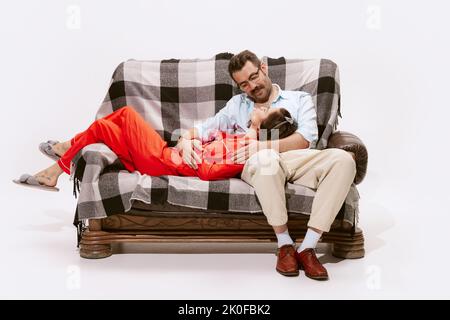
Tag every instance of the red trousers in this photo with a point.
(140, 148)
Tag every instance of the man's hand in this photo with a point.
(246, 149)
(187, 149)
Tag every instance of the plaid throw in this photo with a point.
(173, 94)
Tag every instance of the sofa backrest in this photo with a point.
(173, 94)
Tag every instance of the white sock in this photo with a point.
(284, 238)
(310, 241)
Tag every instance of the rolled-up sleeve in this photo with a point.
(224, 120)
(307, 120)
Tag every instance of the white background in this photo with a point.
(393, 57)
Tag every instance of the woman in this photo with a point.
(140, 148)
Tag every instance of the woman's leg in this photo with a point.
(148, 151)
(135, 142)
(101, 131)
(50, 175)
(145, 150)
(117, 117)
(61, 147)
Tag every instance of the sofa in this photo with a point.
(116, 206)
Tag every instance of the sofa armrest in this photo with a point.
(351, 143)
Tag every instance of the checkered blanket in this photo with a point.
(173, 94)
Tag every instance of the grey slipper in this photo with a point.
(46, 149)
(30, 181)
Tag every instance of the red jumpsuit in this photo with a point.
(140, 148)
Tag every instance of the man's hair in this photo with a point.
(238, 61)
(280, 120)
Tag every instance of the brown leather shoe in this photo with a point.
(287, 263)
(307, 260)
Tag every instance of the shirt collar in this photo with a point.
(281, 94)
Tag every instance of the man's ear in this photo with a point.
(264, 67)
(232, 78)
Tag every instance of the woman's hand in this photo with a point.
(256, 117)
(187, 149)
(252, 132)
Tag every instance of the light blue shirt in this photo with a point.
(233, 118)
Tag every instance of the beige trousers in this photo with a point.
(330, 171)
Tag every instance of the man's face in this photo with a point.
(254, 81)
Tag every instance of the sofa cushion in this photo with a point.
(107, 189)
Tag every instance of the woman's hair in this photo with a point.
(279, 122)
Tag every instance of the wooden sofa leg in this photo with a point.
(349, 248)
(93, 244)
(95, 251)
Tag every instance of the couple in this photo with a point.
(140, 148)
(281, 131)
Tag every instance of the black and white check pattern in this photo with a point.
(173, 94)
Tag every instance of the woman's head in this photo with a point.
(276, 124)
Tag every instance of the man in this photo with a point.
(270, 164)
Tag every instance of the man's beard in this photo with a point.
(261, 93)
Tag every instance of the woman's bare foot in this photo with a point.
(49, 176)
(61, 148)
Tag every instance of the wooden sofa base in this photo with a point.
(160, 227)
